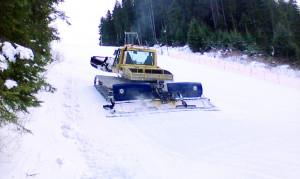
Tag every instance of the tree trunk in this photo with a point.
(252, 17)
(152, 22)
(224, 18)
(233, 24)
(217, 8)
(212, 12)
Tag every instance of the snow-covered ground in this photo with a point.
(255, 135)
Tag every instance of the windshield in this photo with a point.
(139, 58)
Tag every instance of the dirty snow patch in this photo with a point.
(10, 84)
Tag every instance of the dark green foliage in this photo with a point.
(246, 25)
(198, 37)
(180, 37)
(293, 17)
(283, 43)
(193, 37)
(26, 22)
(108, 31)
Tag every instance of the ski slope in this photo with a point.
(255, 135)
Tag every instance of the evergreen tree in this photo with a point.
(193, 37)
(180, 37)
(27, 23)
(198, 37)
(107, 30)
(293, 16)
(283, 43)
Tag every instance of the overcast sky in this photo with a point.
(85, 19)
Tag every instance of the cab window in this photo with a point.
(139, 58)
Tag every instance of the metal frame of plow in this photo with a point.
(138, 107)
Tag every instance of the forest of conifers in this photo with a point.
(250, 26)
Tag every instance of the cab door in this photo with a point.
(116, 64)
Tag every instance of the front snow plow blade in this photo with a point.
(185, 89)
(141, 98)
(132, 91)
